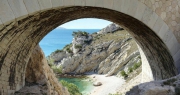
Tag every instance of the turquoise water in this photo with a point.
(85, 85)
(58, 38)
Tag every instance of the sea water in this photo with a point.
(58, 38)
(85, 85)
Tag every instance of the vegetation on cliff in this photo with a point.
(72, 88)
(130, 69)
(80, 33)
(109, 53)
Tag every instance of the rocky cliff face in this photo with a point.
(40, 79)
(80, 40)
(107, 53)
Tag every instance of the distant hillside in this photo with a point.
(61, 28)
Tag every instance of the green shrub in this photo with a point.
(139, 57)
(80, 33)
(123, 73)
(87, 42)
(57, 70)
(69, 50)
(67, 46)
(137, 65)
(58, 51)
(78, 46)
(72, 88)
(50, 61)
(94, 33)
(130, 70)
(50, 65)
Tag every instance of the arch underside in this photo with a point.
(19, 38)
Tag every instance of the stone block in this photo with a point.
(57, 3)
(18, 8)
(173, 45)
(176, 57)
(1, 24)
(167, 36)
(146, 16)
(177, 64)
(164, 29)
(157, 26)
(79, 2)
(6, 14)
(3, 70)
(99, 3)
(132, 7)
(3, 46)
(125, 6)
(68, 2)
(152, 20)
(1, 27)
(1, 87)
(140, 11)
(90, 2)
(32, 6)
(5, 82)
(45, 4)
(117, 4)
(108, 4)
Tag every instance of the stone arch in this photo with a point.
(23, 23)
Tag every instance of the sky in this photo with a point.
(86, 23)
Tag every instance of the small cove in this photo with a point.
(84, 84)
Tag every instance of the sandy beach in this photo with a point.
(109, 84)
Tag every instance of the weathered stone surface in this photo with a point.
(39, 78)
(35, 70)
(80, 41)
(57, 57)
(6, 13)
(164, 87)
(18, 8)
(168, 11)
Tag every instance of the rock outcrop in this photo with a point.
(107, 53)
(110, 29)
(80, 40)
(164, 87)
(97, 84)
(40, 79)
(56, 57)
